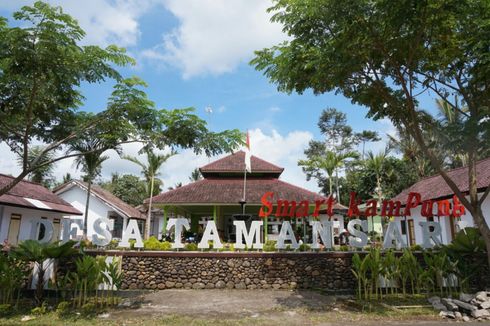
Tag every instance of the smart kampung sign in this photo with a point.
(321, 230)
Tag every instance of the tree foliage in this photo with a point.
(43, 65)
(129, 188)
(387, 55)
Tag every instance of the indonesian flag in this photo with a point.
(248, 164)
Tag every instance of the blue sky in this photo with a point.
(195, 53)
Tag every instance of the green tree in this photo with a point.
(195, 175)
(42, 66)
(367, 136)
(328, 163)
(129, 188)
(386, 55)
(90, 160)
(43, 175)
(150, 170)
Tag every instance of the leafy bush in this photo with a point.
(154, 244)
(304, 247)
(228, 247)
(41, 310)
(269, 245)
(5, 310)
(190, 247)
(63, 308)
(89, 309)
(344, 248)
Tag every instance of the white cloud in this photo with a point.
(282, 150)
(214, 36)
(105, 22)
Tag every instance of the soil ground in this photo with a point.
(242, 307)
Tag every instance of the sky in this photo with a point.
(195, 53)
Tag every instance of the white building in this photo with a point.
(102, 204)
(24, 205)
(436, 189)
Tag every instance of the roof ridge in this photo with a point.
(451, 170)
(178, 188)
(28, 181)
(220, 159)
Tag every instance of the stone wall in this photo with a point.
(330, 271)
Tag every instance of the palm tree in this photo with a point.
(377, 164)
(90, 160)
(44, 174)
(195, 175)
(367, 136)
(150, 172)
(329, 163)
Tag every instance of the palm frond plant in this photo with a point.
(37, 253)
(90, 161)
(150, 170)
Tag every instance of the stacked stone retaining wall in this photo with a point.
(330, 271)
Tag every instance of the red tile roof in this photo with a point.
(230, 191)
(236, 163)
(20, 194)
(435, 187)
(105, 196)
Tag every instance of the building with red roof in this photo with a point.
(436, 189)
(218, 195)
(26, 202)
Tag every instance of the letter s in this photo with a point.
(102, 231)
(266, 204)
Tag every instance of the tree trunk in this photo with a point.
(40, 283)
(148, 218)
(87, 202)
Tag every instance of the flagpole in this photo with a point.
(244, 189)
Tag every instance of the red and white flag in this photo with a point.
(248, 164)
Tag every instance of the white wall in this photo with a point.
(28, 216)
(97, 208)
(466, 220)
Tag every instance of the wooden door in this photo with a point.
(14, 229)
(411, 232)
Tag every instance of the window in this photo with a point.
(404, 227)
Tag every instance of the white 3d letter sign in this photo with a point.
(241, 232)
(210, 234)
(180, 224)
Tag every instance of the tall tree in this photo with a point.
(367, 136)
(129, 188)
(386, 55)
(328, 163)
(43, 175)
(90, 161)
(150, 170)
(377, 164)
(43, 64)
(195, 175)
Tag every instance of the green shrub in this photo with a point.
(304, 247)
(151, 244)
(228, 247)
(154, 244)
(165, 246)
(190, 247)
(112, 245)
(269, 245)
(344, 248)
(63, 308)
(416, 247)
(41, 310)
(5, 309)
(89, 309)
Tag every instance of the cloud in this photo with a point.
(105, 22)
(282, 150)
(214, 36)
